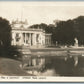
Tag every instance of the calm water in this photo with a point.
(60, 67)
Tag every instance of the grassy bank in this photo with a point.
(11, 67)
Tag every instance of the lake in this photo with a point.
(59, 66)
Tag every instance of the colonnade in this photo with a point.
(29, 39)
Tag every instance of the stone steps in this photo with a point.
(24, 50)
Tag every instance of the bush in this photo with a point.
(10, 52)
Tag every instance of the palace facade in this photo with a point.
(22, 35)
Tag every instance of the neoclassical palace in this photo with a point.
(22, 35)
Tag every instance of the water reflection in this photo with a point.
(58, 66)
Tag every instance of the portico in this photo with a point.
(29, 39)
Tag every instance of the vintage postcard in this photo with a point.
(41, 41)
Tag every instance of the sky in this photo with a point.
(41, 12)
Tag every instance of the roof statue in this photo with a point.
(76, 42)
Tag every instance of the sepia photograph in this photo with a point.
(42, 39)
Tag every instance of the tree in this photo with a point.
(64, 32)
(6, 50)
(34, 26)
(79, 29)
(40, 26)
(5, 32)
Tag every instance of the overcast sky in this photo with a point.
(41, 12)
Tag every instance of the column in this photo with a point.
(30, 39)
(40, 40)
(32, 42)
(44, 40)
(34, 39)
(25, 38)
(21, 39)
